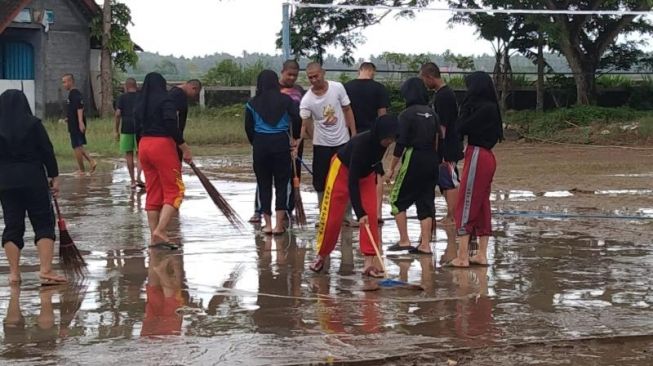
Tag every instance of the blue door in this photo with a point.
(17, 61)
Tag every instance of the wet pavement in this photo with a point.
(558, 291)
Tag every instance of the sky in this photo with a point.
(201, 27)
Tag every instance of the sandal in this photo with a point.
(52, 280)
(418, 251)
(165, 245)
(400, 248)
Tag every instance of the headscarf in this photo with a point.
(16, 118)
(414, 92)
(153, 93)
(384, 127)
(481, 91)
(269, 102)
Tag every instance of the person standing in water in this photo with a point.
(480, 121)
(77, 124)
(125, 130)
(30, 175)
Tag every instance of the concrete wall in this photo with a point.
(67, 46)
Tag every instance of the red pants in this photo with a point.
(332, 212)
(473, 213)
(162, 169)
(161, 316)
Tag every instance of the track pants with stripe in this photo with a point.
(334, 203)
(415, 183)
(473, 212)
(272, 167)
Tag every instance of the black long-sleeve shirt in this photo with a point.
(22, 164)
(162, 124)
(418, 128)
(446, 107)
(480, 124)
(362, 156)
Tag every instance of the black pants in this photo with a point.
(35, 201)
(291, 203)
(416, 183)
(272, 166)
(321, 162)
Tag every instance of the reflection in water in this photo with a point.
(240, 298)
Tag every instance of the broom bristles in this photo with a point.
(222, 204)
(70, 258)
(300, 214)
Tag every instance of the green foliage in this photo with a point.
(641, 96)
(120, 43)
(460, 61)
(551, 123)
(345, 77)
(456, 81)
(166, 67)
(614, 81)
(313, 30)
(521, 80)
(230, 73)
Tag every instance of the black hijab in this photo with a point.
(384, 127)
(16, 118)
(414, 92)
(481, 92)
(269, 102)
(153, 93)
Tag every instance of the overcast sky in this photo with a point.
(200, 27)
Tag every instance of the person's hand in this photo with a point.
(54, 187)
(187, 154)
(82, 128)
(364, 221)
(390, 175)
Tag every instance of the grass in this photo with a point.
(583, 124)
(208, 132)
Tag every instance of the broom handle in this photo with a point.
(56, 206)
(376, 249)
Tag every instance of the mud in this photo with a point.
(570, 287)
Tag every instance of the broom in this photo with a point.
(224, 206)
(388, 282)
(300, 214)
(69, 256)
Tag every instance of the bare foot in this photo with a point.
(478, 260)
(51, 278)
(457, 263)
(14, 278)
(446, 221)
(79, 173)
(93, 166)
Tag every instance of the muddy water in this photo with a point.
(233, 297)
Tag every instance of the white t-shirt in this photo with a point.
(327, 107)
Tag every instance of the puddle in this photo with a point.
(239, 298)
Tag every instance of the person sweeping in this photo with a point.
(159, 137)
(269, 117)
(480, 121)
(353, 174)
(30, 175)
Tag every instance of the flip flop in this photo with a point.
(267, 232)
(476, 264)
(165, 245)
(278, 233)
(417, 251)
(400, 248)
(53, 280)
(451, 265)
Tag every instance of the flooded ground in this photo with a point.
(570, 280)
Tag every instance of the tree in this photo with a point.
(106, 106)
(166, 67)
(590, 43)
(312, 30)
(122, 48)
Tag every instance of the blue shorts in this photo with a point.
(77, 139)
(448, 178)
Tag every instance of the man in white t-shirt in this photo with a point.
(325, 107)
